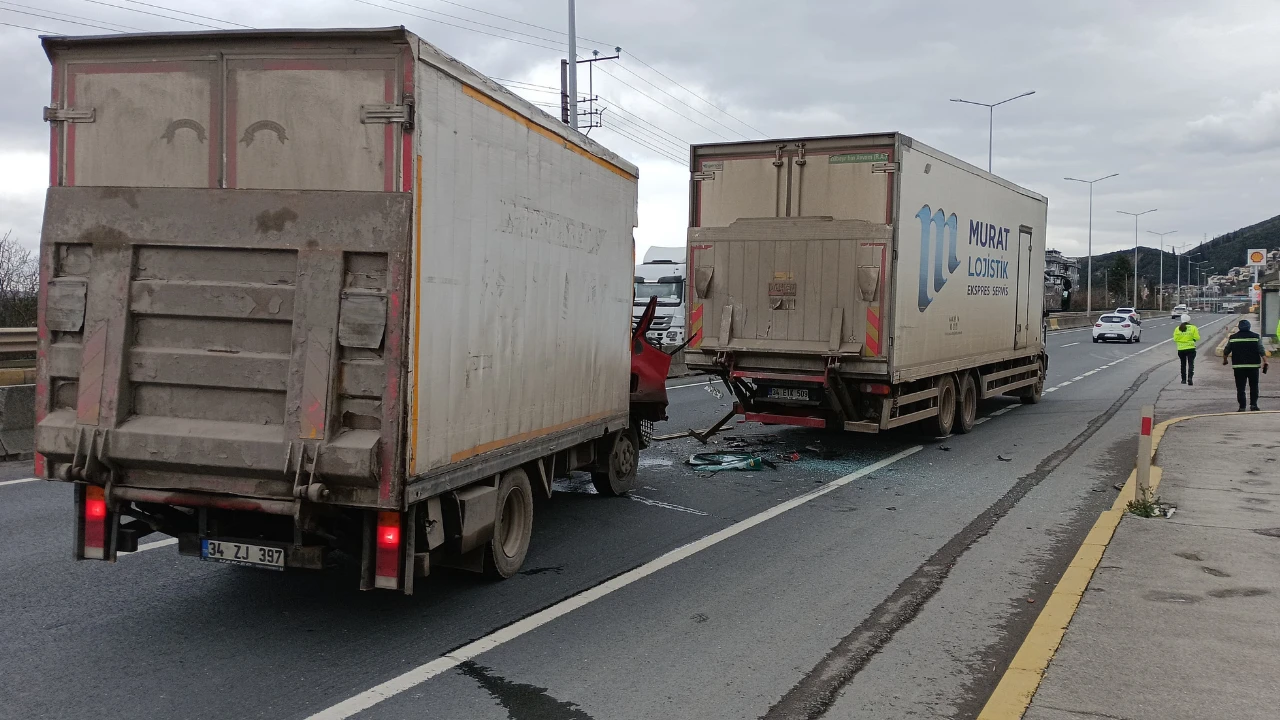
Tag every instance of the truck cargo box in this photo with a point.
(870, 257)
(289, 270)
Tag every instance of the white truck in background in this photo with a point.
(863, 282)
(662, 275)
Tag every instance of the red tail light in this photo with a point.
(876, 389)
(387, 553)
(95, 523)
(1097, 324)
(1126, 325)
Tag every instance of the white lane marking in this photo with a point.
(1002, 410)
(668, 506)
(448, 661)
(16, 482)
(981, 420)
(697, 384)
(151, 546)
(1090, 372)
(1070, 344)
(1077, 378)
(1052, 389)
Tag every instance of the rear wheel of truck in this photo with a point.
(512, 527)
(623, 463)
(1034, 393)
(967, 405)
(946, 418)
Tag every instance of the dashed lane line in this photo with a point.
(17, 482)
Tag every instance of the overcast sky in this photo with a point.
(1181, 97)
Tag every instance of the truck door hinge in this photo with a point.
(57, 114)
(704, 176)
(884, 167)
(371, 114)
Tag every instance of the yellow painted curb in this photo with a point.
(1021, 680)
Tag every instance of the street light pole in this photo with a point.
(573, 66)
(1160, 291)
(1135, 251)
(1088, 300)
(991, 117)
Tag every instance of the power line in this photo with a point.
(677, 147)
(508, 81)
(73, 22)
(682, 102)
(184, 12)
(460, 27)
(144, 12)
(668, 107)
(474, 22)
(77, 17)
(635, 57)
(24, 27)
(618, 107)
(522, 22)
(663, 153)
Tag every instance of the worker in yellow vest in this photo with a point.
(1185, 336)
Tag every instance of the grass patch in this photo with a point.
(1146, 506)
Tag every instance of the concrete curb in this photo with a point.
(1021, 680)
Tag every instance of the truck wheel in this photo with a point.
(512, 527)
(1035, 392)
(624, 458)
(946, 417)
(967, 407)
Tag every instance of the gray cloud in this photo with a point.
(1178, 97)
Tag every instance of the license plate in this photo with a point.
(235, 553)
(777, 393)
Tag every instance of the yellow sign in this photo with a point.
(1257, 257)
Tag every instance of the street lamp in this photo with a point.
(1135, 250)
(1177, 258)
(1160, 292)
(991, 117)
(1199, 286)
(1088, 300)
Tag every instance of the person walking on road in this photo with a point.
(1246, 353)
(1185, 336)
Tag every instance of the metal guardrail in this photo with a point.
(17, 340)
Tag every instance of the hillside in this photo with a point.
(1223, 253)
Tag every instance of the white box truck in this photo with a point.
(863, 282)
(316, 290)
(662, 276)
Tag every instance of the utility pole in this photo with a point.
(573, 66)
(1160, 292)
(1088, 301)
(1135, 251)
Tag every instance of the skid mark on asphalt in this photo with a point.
(521, 700)
(665, 505)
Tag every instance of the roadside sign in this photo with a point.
(1257, 258)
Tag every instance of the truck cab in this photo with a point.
(662, 275)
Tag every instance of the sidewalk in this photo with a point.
(1181, 618)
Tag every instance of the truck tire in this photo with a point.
(946, 417)
(1035, 392)
(623, 464)
(966, 404)
(512, 526)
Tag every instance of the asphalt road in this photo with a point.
(889, 577)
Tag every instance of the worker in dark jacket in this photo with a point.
(1247, 354)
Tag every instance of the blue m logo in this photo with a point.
(934, 227)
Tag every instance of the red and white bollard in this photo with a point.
(1143, 487)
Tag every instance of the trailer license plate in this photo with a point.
(777, 393)
(234, 553)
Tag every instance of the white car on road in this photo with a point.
(1131, 313)
(1115, 326)
(1179, 311)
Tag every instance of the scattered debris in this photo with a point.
(1118, 486)
(891, 508)
(717, 462)
(792, 456)
(945, 448)
(1031, 601)
(822, 451)
(1002, 458)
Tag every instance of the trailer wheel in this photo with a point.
(946, 418)
(512, 527)
(1035, 392)
(967, 407)
(624, 462)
